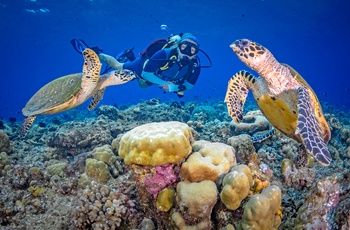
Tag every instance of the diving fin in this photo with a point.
(79, 45)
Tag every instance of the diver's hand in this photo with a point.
(165, 87)
(180, 94)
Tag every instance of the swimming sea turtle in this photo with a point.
(72, 90)
(282, 95)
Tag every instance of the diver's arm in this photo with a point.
(151, 77)
(187, 85)
(176, 88)
(111, 61)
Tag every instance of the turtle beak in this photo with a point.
(239, 45)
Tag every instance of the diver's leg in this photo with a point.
(111, 61)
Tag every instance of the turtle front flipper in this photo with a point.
(309, 129)
(261, 136)
(96, 98)
(91, 71)
(236, 94)
(28, 121)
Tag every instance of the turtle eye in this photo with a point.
(244, 42)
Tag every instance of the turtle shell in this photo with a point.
(53, 94)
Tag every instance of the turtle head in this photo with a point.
(250, 53)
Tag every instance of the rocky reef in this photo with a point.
(171, 165)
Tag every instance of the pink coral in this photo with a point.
(163, 177)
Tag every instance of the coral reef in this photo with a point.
(58, 177)
(4, 163)
(243, 146)
(203, 114)
(107, 110)
(298, 177)
(5, 142)
(316, 212)
(101, 207)
(77, 137)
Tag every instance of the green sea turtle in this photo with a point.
(72, 90)
(282, 95)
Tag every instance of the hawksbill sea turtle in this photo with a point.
(283, 96)
(72, 90)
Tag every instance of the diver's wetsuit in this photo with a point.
(159, 70)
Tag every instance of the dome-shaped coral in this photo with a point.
(156, 144)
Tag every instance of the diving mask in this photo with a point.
(188, 48)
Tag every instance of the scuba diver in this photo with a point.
(171, 63)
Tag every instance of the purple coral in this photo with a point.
(163, 177)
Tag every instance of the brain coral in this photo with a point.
(156, 144)
(208, 162)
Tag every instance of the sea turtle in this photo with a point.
(282, 95)
(69, 91)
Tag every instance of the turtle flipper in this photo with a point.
(261, 136)
(236, 94)
(118, 77)
(310, 130)
(91, 71)
(96, 98)
(28, 121)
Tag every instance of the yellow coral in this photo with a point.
(262, 211)
(165, 199)
(156, 144)
(208, 162)
(259, 185)
(236, 185)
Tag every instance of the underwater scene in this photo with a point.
(132, 114)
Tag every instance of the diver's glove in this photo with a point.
(180, 94)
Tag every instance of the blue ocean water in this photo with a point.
(312, 36)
